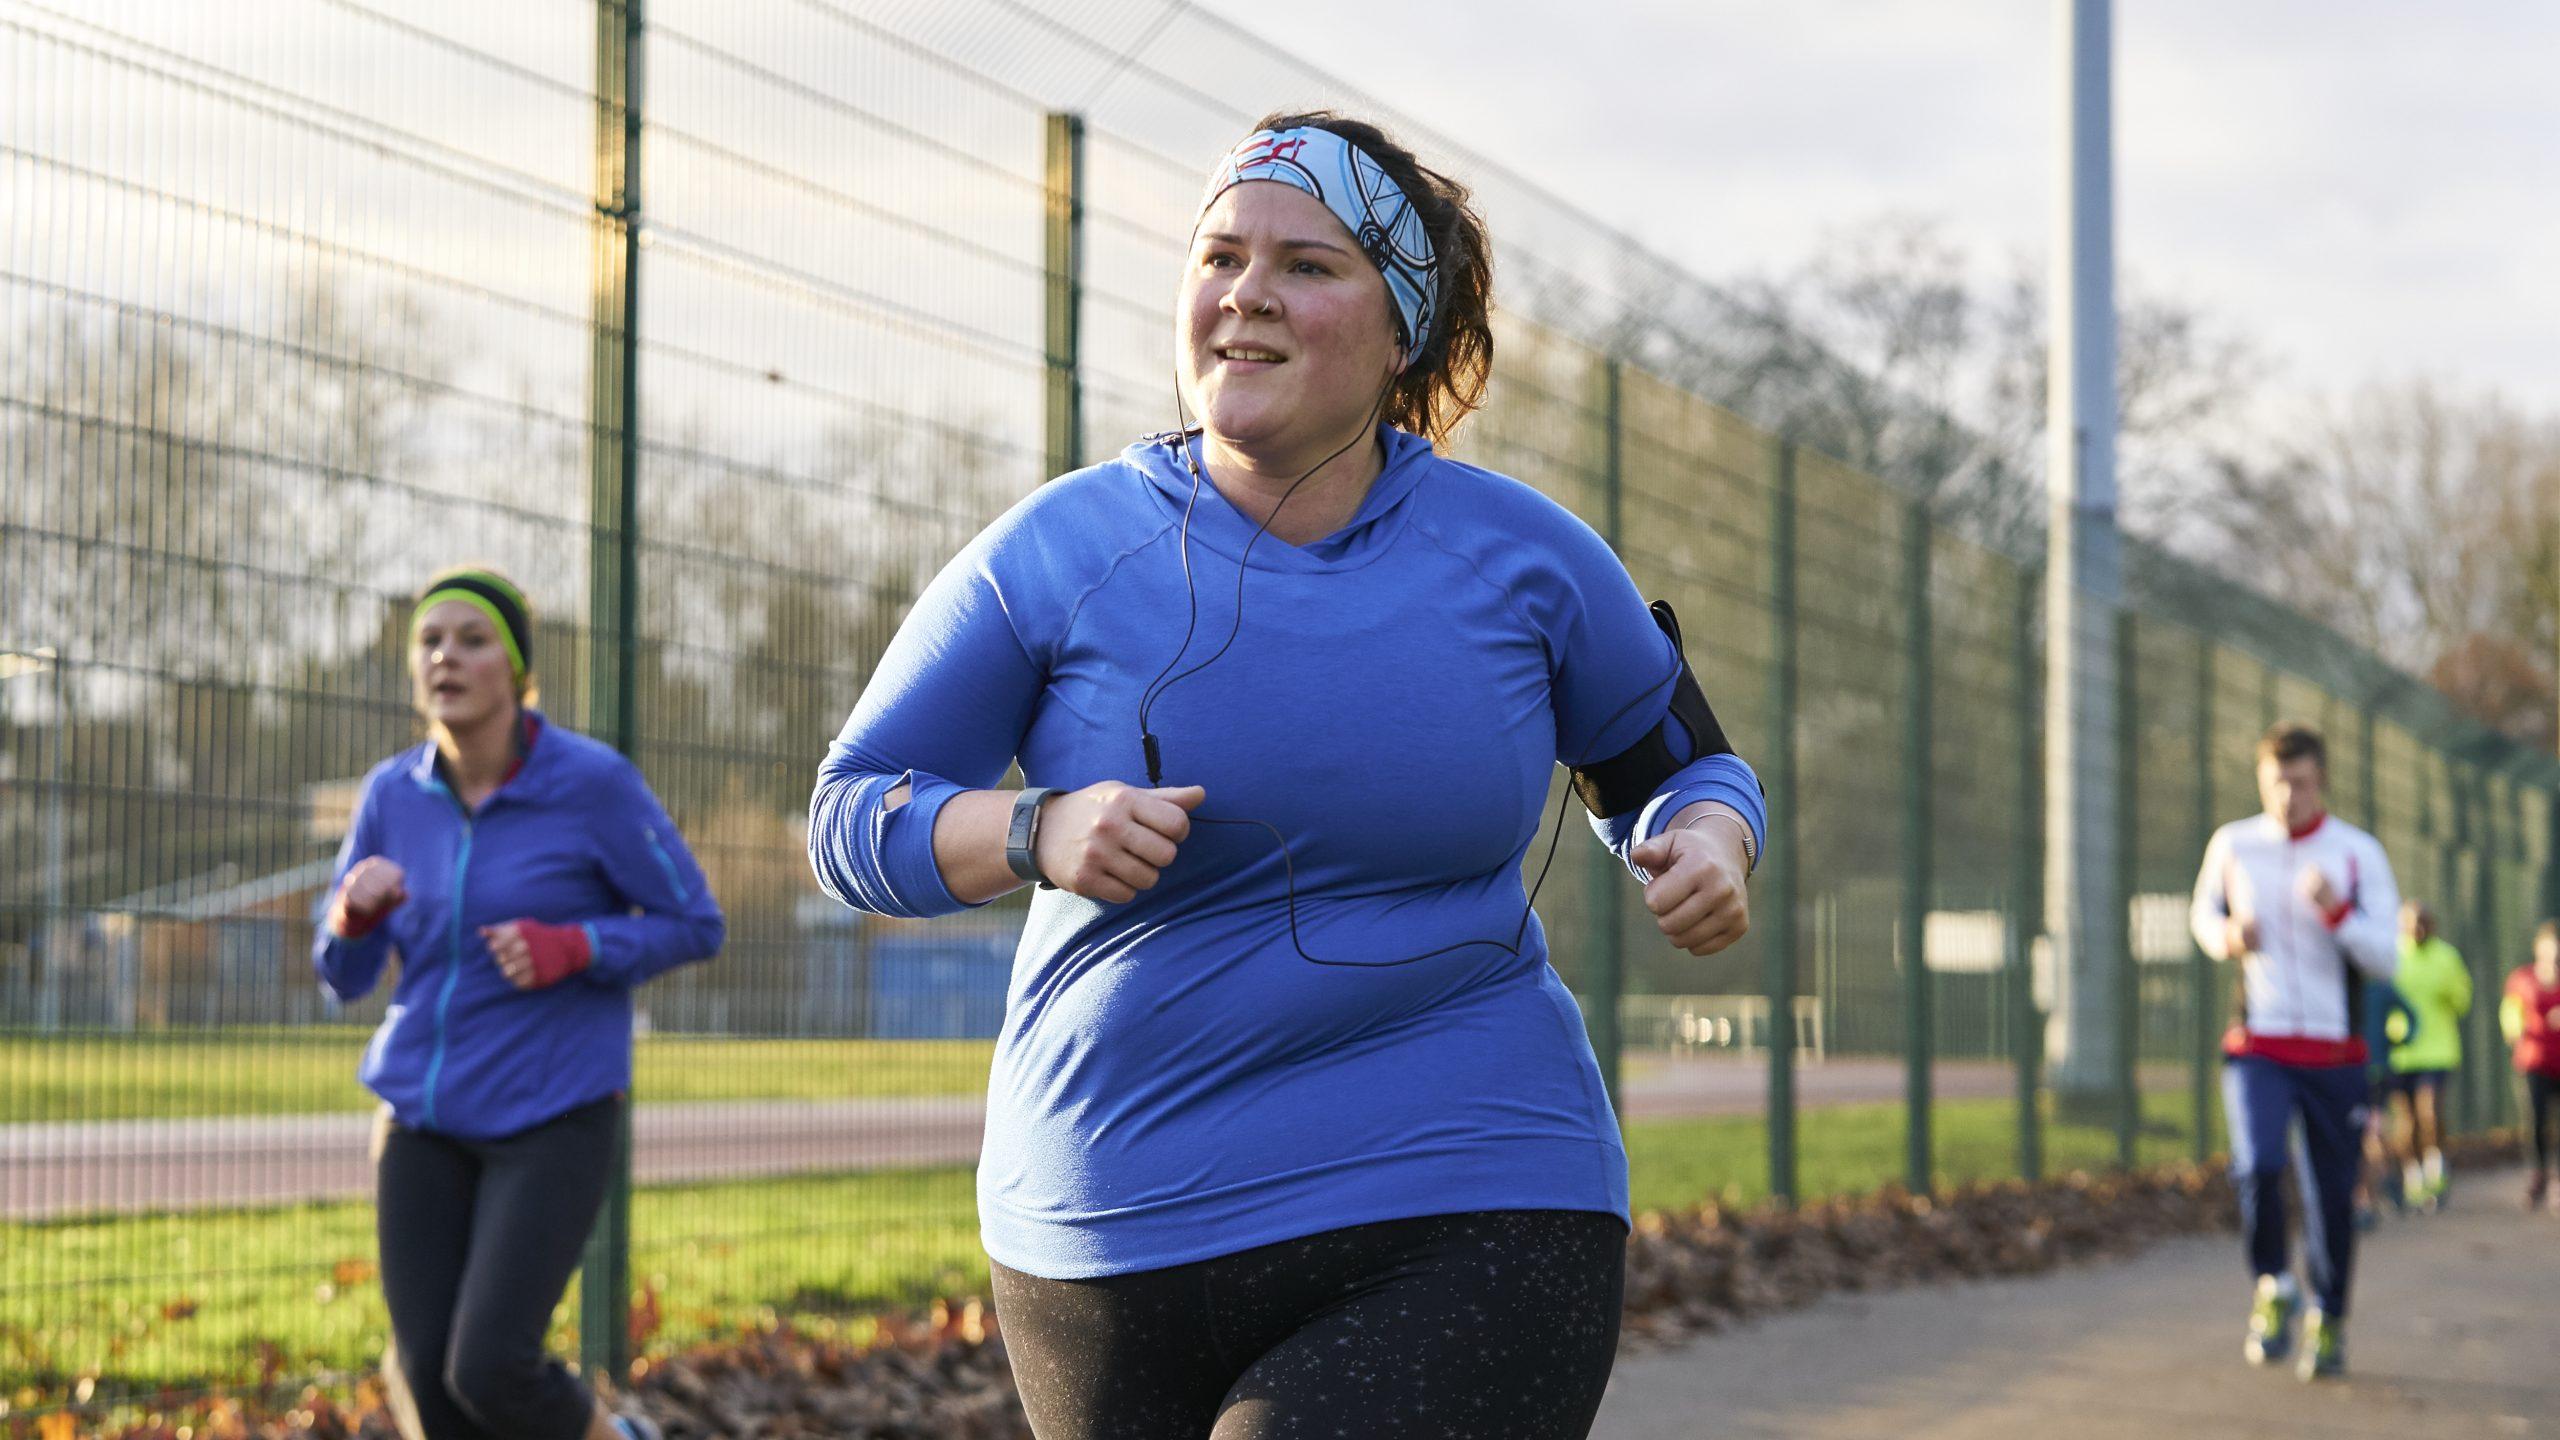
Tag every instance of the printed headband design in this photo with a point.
(491, 596)
(1365, 199)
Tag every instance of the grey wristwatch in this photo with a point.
(1022, 833)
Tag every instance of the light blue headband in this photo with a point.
(1365, 199)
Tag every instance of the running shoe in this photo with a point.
(2536, 1190)
(2271, 1321)
(2324, 1348)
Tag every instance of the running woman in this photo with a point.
(1293, 1130)
(2302, 905)
(528, 881)
(2435, 984)
(2530, 1016)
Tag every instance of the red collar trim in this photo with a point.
(2307, 831)
(532, 732)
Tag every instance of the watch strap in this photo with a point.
(1022, 833)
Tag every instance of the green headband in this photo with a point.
(492, 597)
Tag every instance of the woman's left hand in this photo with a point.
(1697, 893)
(535, 956)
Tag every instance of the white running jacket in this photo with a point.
(2300, 983)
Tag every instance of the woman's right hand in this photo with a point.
(1109, 841)
(371, 890)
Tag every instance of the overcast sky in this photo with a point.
(2366, 188)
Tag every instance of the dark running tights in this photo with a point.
(1498, 1325)
(478, 1240)
(2544, 1091)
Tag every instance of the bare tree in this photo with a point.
(2420, 523)
(1885, 351)
(164, 472)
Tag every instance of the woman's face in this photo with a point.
(460, 666)
(1284, 325)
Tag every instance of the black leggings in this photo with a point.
(478, 1240)
(2544, 1092)
(1497, 1325)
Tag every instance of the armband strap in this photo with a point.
(1624, 782)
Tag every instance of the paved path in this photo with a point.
(74, 1168)
(2456, 1335)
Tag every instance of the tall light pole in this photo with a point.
(2083, 578)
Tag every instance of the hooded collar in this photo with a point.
(1219, 526)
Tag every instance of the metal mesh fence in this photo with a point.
(306, 299)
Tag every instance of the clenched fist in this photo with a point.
(1696, 894)
(1109, 841)
(373, 889)
(2314, 887)
(2239, 937)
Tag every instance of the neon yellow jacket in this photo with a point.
(2436, 985)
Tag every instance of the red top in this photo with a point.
(2538, 1043)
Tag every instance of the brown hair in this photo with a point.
(2547, 930)
(1446, 382)
(2292, 740)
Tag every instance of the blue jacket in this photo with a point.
(1173, 1080)
(574, 837)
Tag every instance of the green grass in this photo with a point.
(186, 1301)
(1853, 1149)
(183, 1301)
(302, 1071)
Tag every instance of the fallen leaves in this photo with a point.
(1694, 1273)
(942, 1374)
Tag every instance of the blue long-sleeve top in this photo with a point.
(573, 837)
(1173, 1079)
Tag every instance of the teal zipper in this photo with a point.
(453, 972)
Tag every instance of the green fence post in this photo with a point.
(604, 1331)
(2550, 905)
(1606, 978)
(2449, 901)
(2205, 1027)
(2128, 874)
(2026, 902)
(1064, 322)
(1779, 894)
(1918, 1032)
(2365, 763)
(2484, 941)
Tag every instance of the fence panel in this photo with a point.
(305, 301)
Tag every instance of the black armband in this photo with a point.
(1624, 782)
